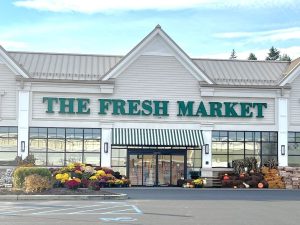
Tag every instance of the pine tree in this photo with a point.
(285, 57)
(233, 54)
(252, 56)
(273, 54)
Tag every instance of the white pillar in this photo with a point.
(23, 121)
(282, 131)
(106, 141)
(206, 158)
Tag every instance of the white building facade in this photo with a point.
(154, 115)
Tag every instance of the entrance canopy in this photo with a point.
(157, 137)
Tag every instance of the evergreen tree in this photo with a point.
(273, 54)
(285, 57)
(233, 54)
(252, 56)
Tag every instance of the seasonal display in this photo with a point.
(273, 178)
(79, 175)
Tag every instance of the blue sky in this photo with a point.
(202, 28)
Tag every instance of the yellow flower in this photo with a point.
(93, 178)
(58, 176)
(100, 173)
(65, 176)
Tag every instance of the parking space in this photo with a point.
(94, 212)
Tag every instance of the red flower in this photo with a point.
(72, 184)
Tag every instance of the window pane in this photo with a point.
(40, 158)
(56, 145)
(294, 161)
(73, 157)
(273, 136)
(257, 136)
(7, 158)
(8, 144)
(197, 162)
(249, 147)
(269, 148)
(37, 145)
(219, 161)
(74, 145)
(3, 131)
(115, 153)
(118, 161)
(294, 149)
(97, 133)
(215, 136)
(249, 136)
(92, 145)
(88, 133)
(56, 159)
(292, 137)
(240, 136)
(52, 133)
(219, 147)
(265, 136)
(232, 136)
(60, 133)
(236, 148)
(92, 158)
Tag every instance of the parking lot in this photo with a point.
(208, 207)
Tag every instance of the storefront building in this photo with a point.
(154, 115)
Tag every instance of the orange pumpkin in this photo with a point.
(260, 185)
(226, 177)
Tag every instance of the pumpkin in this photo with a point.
(226, 177)
(260, 185)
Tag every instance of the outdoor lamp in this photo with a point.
(105, 147)
(206, 148)
(22, 146)
(282, 149)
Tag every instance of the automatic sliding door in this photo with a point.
(177, 168)
(164, 170)
(149, 170)
(135, 169)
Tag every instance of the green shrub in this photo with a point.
(21, 172)
(36, 183)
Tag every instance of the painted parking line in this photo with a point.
(102, 208)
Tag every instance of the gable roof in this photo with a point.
(291, 72)
(181, 56)
(61, 66)
(243, 72)
(12, 64)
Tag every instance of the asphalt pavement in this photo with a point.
(175, 206)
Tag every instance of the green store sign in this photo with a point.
(156, 108)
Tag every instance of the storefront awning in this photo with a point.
(157, 137)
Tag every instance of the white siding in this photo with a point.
(9, 99)
(294, 103)
(151, 78)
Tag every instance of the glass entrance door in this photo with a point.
(152, 168)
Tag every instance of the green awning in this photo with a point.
(157, 137)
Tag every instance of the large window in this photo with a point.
(294, 149)
(60, 146)
(8, 145)
(233, 145)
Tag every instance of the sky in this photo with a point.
(202, 28)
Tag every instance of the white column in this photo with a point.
(206, 158)
(282, 131)
(106, 140)
(23, 121)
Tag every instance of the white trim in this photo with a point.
(1, 94)
(15, 68)
(291, 77)
(179, 54)
(282, 130)
(23, 121)
(106, 136)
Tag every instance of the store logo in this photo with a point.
(156, 108)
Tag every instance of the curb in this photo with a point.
(63, 197)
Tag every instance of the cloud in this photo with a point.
(95, 6)
(271, 35)
(261, 54)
